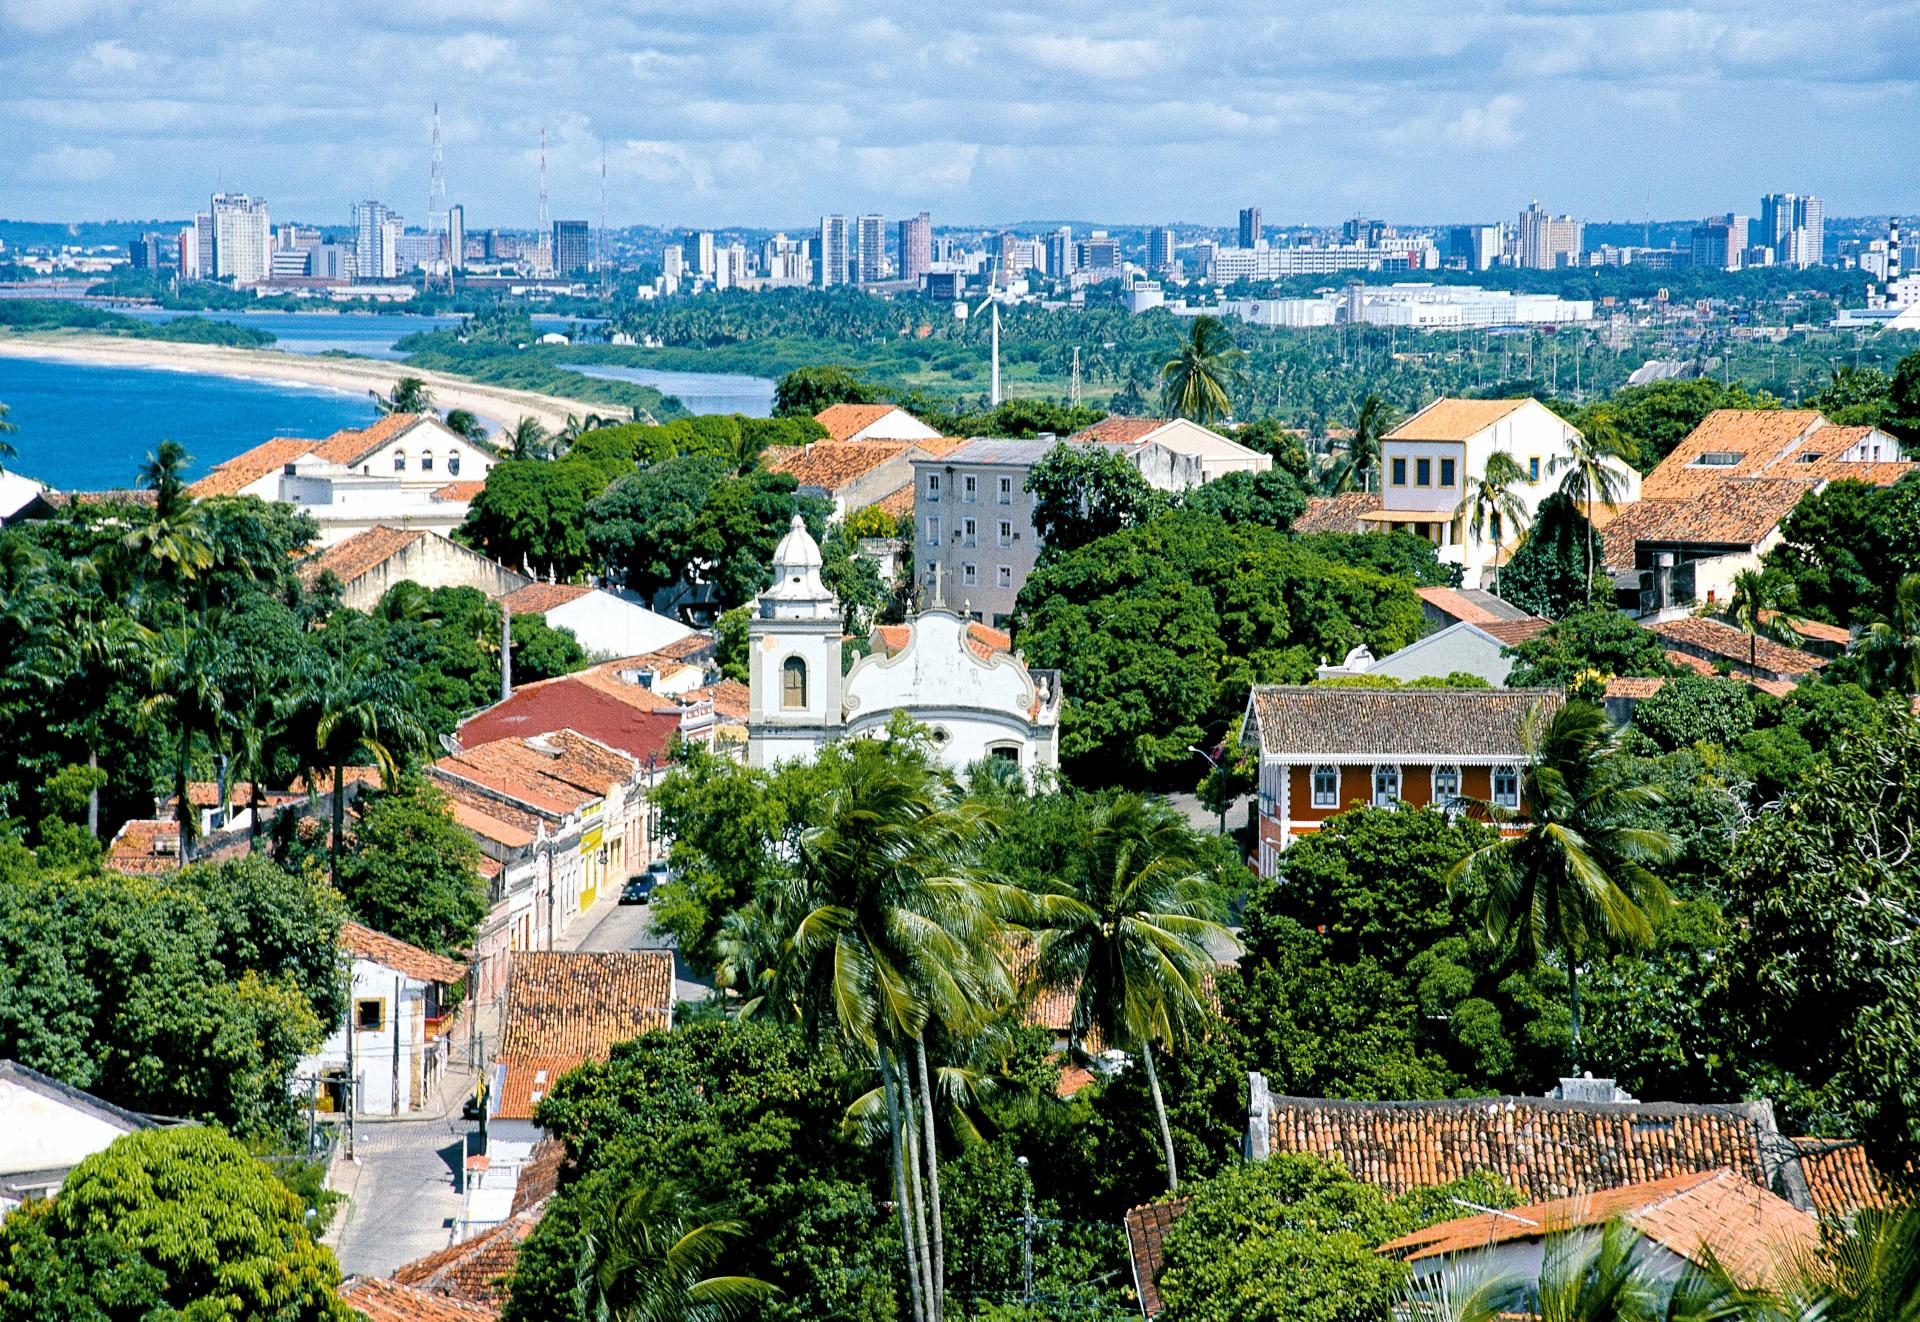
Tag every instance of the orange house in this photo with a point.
(1324, 749)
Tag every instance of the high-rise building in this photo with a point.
(1362, 229)
(1794, 225)
(151, 252)
(1097, 252)
(835, 250)
(242, 238)
(916, 247)
(1060, 253)
(374, 250)
(572, 246)
(456, 237)
(697, 249)
(1159, 250)
(1721, 243)
(196, 248)
(870, 250)
(1477, 247)
(1547, 242)
(332, 261)
(1250, 236)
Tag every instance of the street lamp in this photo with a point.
(1218, 770)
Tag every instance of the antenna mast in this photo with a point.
(437, 217)
(544, 236)
(600, 248)
(1073, 386)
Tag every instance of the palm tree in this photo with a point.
(102, 644)
(1198, 382)
(1764, 603)
(1490, 506)
(344, 709)
(1596, 474)
(648, 1255)
(170, 547)
(1132, 935)
(7, 451)
(1869, 1273)
(1892, 646)
(527, 439)
(466, 423)
(186, 679)
(1370, 426)
(409, 395)
(1573, 869)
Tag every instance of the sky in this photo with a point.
(731, 112)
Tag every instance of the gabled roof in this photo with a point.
(1339, 513)
(539, 598)
(830, 465)
(400, 956)
(1750, 440)
(731, 699)
(1419, 725)
(1733, 514)
(1449, 419)
(1701, 1216)
(474, 1271)
(350, 446)
(1471, 605)
(460, 491)
(144, 846)
(567, 1007)
(14, 1074)
(1146, 1239)
(387, 1301)
(896, 502)
(845, 420)
(1115, 429)
(596, 702)
(1839, 1175)
(555, 773)
(1699, 634)
(249, 466)
(361, 553)
(1515, 632)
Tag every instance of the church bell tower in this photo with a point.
(793, 659)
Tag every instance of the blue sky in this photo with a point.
(720, 111)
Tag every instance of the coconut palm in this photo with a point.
(1132, 935)
(409, 395)
(101, 644)
(1571, 869)
(1869, 1273)
(648, 1254)
(1491, 507)
(1596, 475)
(1198, 381)
(186, 676)
(1891, 646)
(7, 428)
(1763, 603)
(170, 548)
(1362, 461)
(466, 423)
(344, 709)
(527, 439)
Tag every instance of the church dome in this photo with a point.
(797, 551)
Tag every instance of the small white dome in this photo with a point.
(797, 551)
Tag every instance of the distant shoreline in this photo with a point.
(497, 405)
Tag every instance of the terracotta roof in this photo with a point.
(144, 846)
(360, 553)
(488, 826)
(1724, 514)
(940, 446)
(555, 773)
(1839, 1175)
(1117, 430)
(730, 698)
(1701, 1216)
(384, 1301)
(1688, 661)
(539, 598)
(350, 446)
(1303, 721)
(983, 640)
(1471, 605)
(595, 702)
(490, 819)
(112, 496)
(565, 1007)
(1633, 686)
(1698, 634)
(323, 781)
(398, 955)
(460, 492)
(830, 465)
(1072, 1079)
(249, 466)
(474, 1271)
(1515, 632)
(896, 502)
(1337, 513)
(844, 420)
(540, 1176)
(1449, 419)
(1146, 1238)
(1815, 631)
(1759, 438)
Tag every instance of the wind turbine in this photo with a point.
(965, 314)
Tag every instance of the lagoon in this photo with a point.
(701, 392)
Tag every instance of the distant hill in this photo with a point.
(86, 233)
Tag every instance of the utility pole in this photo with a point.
(1026, 1233)
(506, 650)
(1073, 384)
(393, 1024)
(353, 1031)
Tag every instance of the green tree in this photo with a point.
(409, 395)
(1198, 382)
(1903, 401)
(1083, 493)
(411, 871)
(1491, 507)
(1361, 450)
(1603, 641)
(8, 453)
(730, 643)
(1132, 937)
(186, 678)
(1764, 603)
(530, 514)
(168, 548)
(1577, 874)
(1551, 573)
(177, 1222)
(1696, 709)
(1595, 476)
(646, 1257)
(528, 440)
(1891, 647)
(1274, 498)
(805, 391)
(466, 424)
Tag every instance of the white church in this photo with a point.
(979, 701)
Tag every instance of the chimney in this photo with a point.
(506, 650)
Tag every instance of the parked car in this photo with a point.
(638, 890)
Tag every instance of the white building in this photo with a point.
(396, 1015)
(979, 700)
(1428, 461)
(47, 1128)
(242, 238)
(608, 622)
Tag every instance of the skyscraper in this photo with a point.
(1250, 227)
(916, 247)
(1159, 250)
(373, 249)
(572, 246)
(1794, 225)
(834, 251)
(697, 249)
(870, 257)
(242, 238)
(1060, 253)
(1477, 247)
(1721, 243)
(456, 237)
(1547, 242)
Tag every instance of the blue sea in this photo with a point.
(84, 428)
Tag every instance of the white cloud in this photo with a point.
(71, 165)
(1095, 57)
(111, 57)
(1488, 127)
(476, 52)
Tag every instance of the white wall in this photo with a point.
(374, 1047)
(40, 1133)
(609, 624)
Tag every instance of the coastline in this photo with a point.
(498, 406)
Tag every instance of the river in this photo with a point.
(701, 392)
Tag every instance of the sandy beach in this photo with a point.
(499, 406)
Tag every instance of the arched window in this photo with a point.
(1446, 785)
(399, 461)
(793, 684)
(1326, 787)
(1005, 753)
(1386, 786)
(453, 464)
(426, 461)
(1506, 786)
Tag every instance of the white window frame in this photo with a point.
(933, 530)
(1380, 770)
(933, 486)
(1006, 576)
(1006, 532)
(969, 532)
(426, 461)
(1006, 491)
(1331, 798)
(969, 490)
(969, 575)
(1511, 799)
(1443, 797)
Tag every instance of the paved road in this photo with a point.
(1205, 820)
(403, 1199)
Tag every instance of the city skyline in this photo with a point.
(983, 115)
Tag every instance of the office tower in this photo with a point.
(1098, 252)
(150, 252)
(1794, 225)
(673, 262)
(870, 250)
(916, 247)
(242, 244)
(1060, 253)
(572, 246)
(1364, 230)
(834, 251)
(291, 263)
(1159, 250)
(1895, 259)
(456, 237)
(696, 251)
(332, 261)
(1721, 243)
(1250, 227)
(374, 252)
(1546, 242)
(1477, 247)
